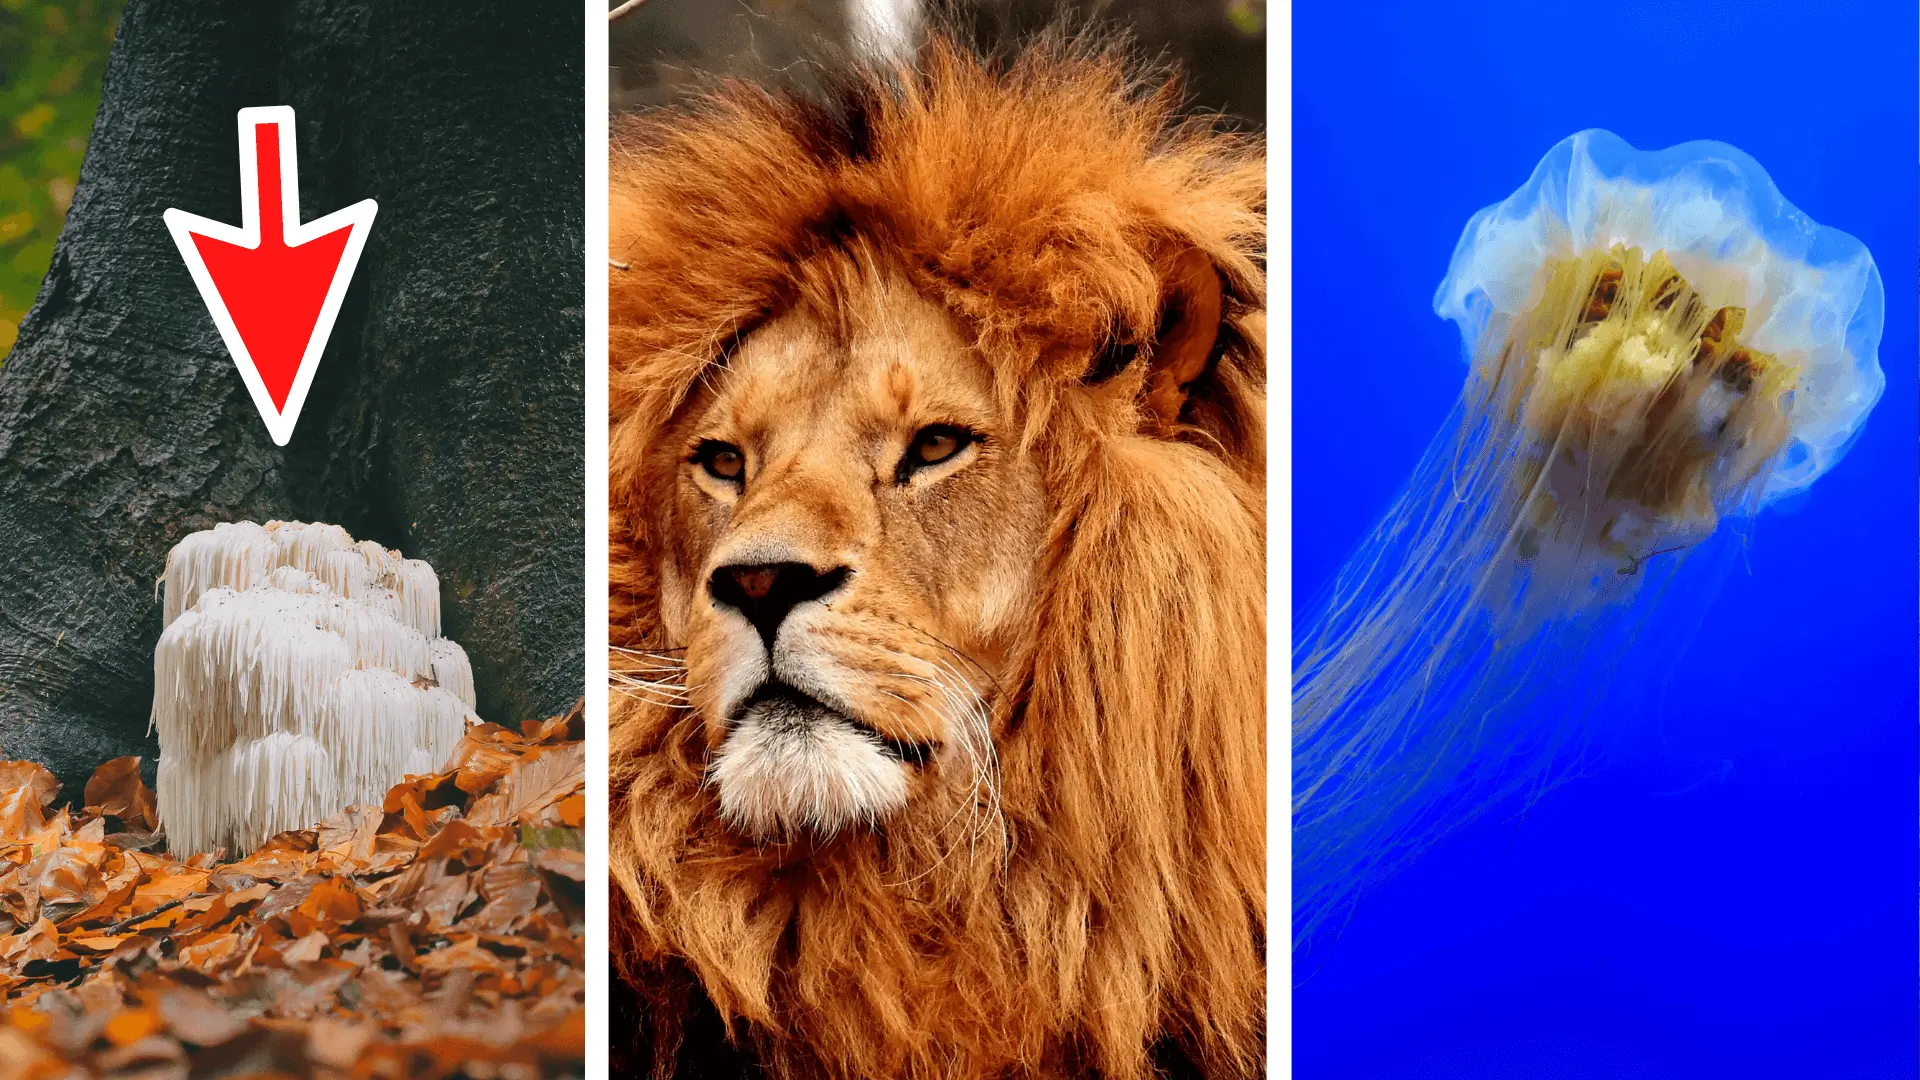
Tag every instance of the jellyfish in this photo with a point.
(1658, 346)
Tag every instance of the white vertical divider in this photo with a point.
(598, 953)
(1279, 539)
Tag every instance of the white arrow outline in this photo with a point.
(185, 226)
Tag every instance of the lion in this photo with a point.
(938, 581)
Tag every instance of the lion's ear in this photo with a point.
(1189, 326)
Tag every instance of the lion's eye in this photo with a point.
(933, 445)
(723, 461)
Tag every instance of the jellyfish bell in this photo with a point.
(1657, 345)
(1677, 326)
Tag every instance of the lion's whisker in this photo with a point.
(641, 696)
(971, 805)
(663, 655)
(976, 742)
(663, 689)
(651, 671)
(957, 653)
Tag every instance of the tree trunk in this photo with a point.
(446, 417)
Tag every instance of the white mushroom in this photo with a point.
(298, 673)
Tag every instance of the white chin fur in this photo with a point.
(779, 773)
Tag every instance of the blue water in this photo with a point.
(1736, 895)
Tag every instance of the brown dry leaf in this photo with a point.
(536, 782)
(197, 1018)
(552, 729)
(306, 950)
(402, 944)
(209, 953)
(21, 811)
(417, 938)
(22, 1058)
(465, 955)
(571, 1030)
(333, 901)
(119, 893)
(275, 864)
(37, 942)
(152, 1050)
(338, 1044)
(116, 789)
(512, 891)
(100, 943)
(248, 895)
(165, 883)
(131, 1026)
(415, 817)
(483, 757)
(63, 876)
(429, 791)
(350, 833)
(31, 776)
(563, 861)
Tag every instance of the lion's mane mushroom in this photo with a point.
(299, 673)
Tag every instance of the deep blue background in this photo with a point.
(1736, 897)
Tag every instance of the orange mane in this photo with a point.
(1116, 924)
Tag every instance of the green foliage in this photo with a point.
(53, 54)
(1247, 16)
(554, 839)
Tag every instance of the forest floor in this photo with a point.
(438, 934)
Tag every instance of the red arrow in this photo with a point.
(273, 285)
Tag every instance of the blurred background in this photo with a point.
(53, 54)
(659, 49)
(1734, 895)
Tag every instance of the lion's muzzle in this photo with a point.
(795, 756)
(790, 763)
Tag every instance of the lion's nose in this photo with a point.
(767, 592)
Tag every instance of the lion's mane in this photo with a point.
(1116, 926)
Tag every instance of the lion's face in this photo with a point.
(854, 534)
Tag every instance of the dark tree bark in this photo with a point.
(446, 418)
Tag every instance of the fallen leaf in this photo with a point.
(429, 791)
(512, 892)
(98, 942)
(64, 877)
(338, 1043)
(535, 782)
(119, 893)
(420, 938)
(29, 776)
(168, 883)
(306, 950)
(480, 762)
(333, 901)
(570, 864)
(21, 812)
(116, 789)
(197, 1018)
(350, 832)
(132, 1026)
(207, 954)
(466, 956)
(402, 943)
(37, 942)
(152, 1050)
